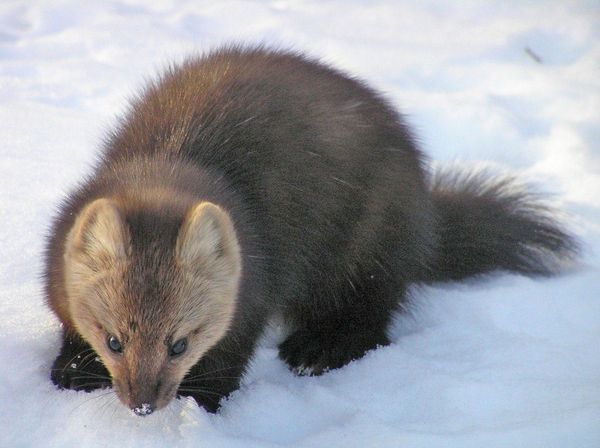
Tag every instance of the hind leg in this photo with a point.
(327, 337)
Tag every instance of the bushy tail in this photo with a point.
(489, 223)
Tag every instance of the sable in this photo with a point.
(253, 182)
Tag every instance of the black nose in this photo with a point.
(143, 410)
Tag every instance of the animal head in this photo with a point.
(151, 302)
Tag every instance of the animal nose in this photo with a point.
(143, 410)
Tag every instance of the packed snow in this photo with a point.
(510, 362)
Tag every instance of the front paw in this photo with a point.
(310, 352)
(80, 372)
(209, 391)
(210, 381)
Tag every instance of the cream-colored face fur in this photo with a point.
(194, 298)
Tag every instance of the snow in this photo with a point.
(508, 362)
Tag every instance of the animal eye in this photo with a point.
(114, 344)
(178, 347)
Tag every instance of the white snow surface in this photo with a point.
(510, 362)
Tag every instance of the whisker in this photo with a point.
(90, 357)
(200, 380)
(179, 403)
(104, 406)
(96, 375)
(210, 372)
(89, 399)
(96, 383)
(202, 391)
(82, 371)
(107, 404)
(85, 377)
(78, 355)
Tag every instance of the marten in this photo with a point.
(249, 183)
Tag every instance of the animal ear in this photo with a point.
(99, 237)
(207, 238)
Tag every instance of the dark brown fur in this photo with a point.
(329, 198)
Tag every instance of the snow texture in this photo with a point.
(511, 362)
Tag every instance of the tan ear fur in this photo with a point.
(98, 238)
(207, 237)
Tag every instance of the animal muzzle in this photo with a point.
(143, 409)
(139, 394)
(143, 397)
